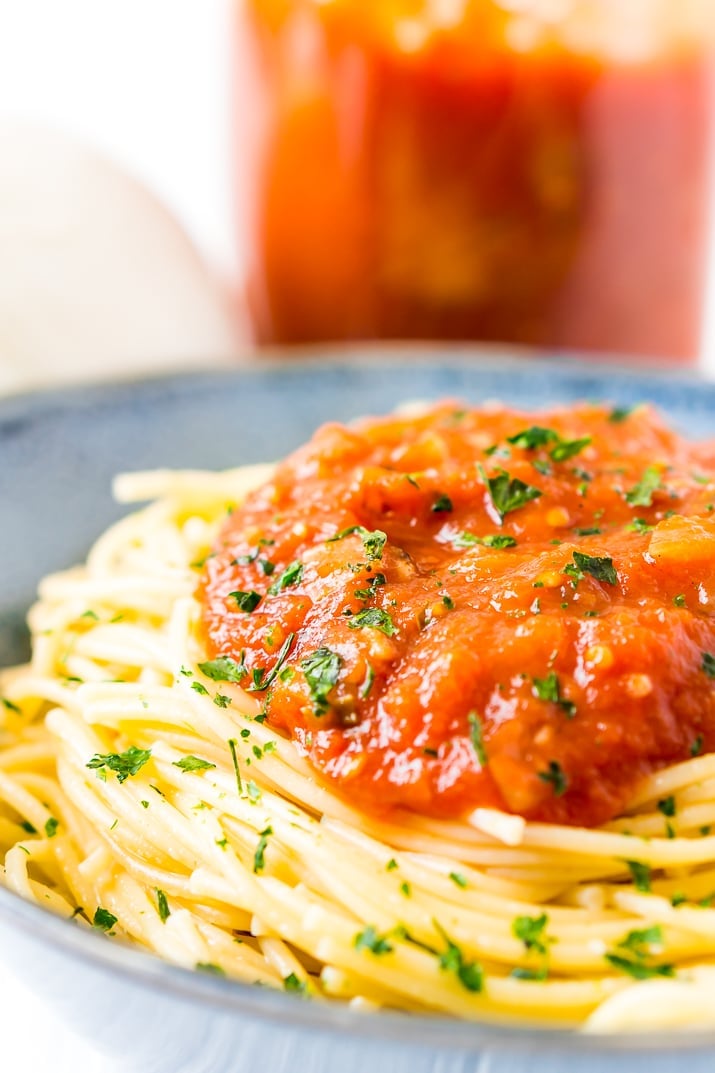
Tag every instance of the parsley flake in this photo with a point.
(321, 671)
(599, 567)
(476, 737)
(292, 575)
(368, 939)
(51, 827)
(549, 689)
(224, 669)
(531, 438)
(509, 493)
(103, 920)
(640, 874)
(708, 664)
(620, 413)
(373, 541)
(162, 906)
(123, 764)
(373, 618)
(469, 973)
(291, 982)
(261, 680)
(530, 930)
(208, 966)
(246, 601)
(193, 763)
(373, 585)
(638, 969)
(641, 495)
(554, 775)
(442, 505)
(259, 857)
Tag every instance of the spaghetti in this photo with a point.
(150, 798)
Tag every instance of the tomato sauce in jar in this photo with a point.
(470, 608)
(477, 169)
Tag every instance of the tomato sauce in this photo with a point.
(476, 170)
(479, 607)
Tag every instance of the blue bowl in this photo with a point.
(58, 453)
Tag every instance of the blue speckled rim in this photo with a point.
(488, 372)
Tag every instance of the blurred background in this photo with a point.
(181, 182)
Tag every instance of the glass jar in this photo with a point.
(532, 171)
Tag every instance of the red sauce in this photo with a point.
(407, 177)
(545, 676)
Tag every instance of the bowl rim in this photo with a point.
(150, 971)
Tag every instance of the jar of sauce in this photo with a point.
(531, 171)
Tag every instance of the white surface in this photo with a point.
(144, 80)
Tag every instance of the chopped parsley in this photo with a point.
(708, 664)
(491, 540)
(371, 590)
(442, 505)
(223, 669)
(261, 680)
(530, 930)
(368, 939)
(640, 874)
(639, 525)
(620, 413)
(549, 689)
(592, 531)
(162, 906)
(123, 764)
(367, 684)
(234, 759)
(321, 672)
(51, 827)
(246, 601)
(292, 575)
(373, 618)
(638, 969)
(697, 746)
(259, 857)
(554, 775)
(599, 567)
(10, 706)
(291, 982)
(566, 449)
(531, 438)
(193, 763)
(469, 973)
(679, 600)
(103, 920)
(641, 495)
(533, 975)
(208, 966)
(476, 737)
(509, 493)
(373, 541)
(667, 806)
(221, 700)
(636, 942)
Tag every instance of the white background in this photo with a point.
(145, 80)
